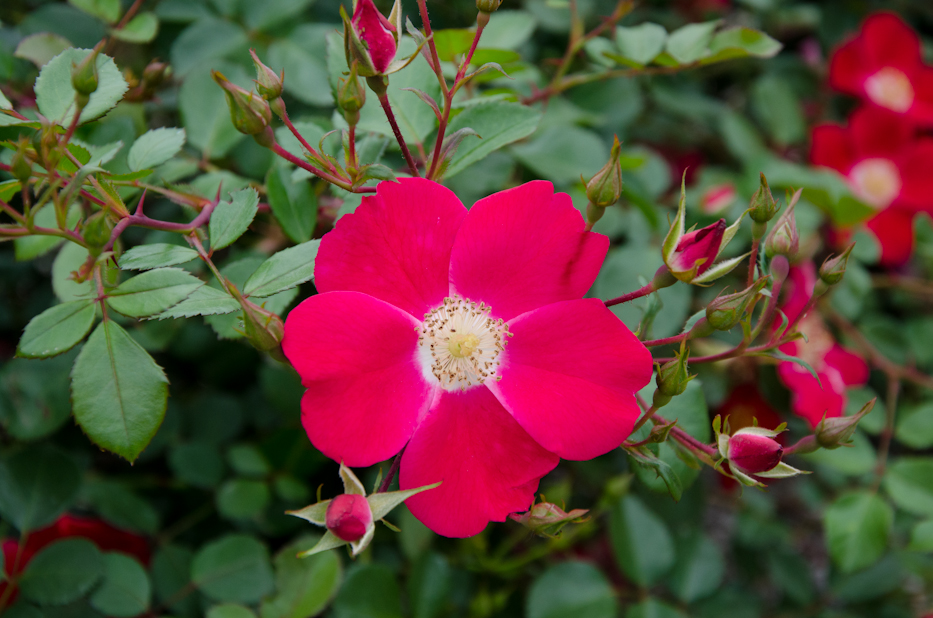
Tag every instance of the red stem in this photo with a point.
(643, 291)
(387, 107)
(340, 182)
(656, 342)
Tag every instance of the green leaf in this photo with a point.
(198, 464)
(243, 498)
(909, 482)
(107, 11)
(641, 43)
(303, 586)
(652, 608)
(204, 111)
(294, 204)
(230, 610)
(571, 590)
(234, 568)
(40, 48)
(34, 398)
(207, 39)
(741, 42)
(36, 486)
(203, 301)
(121, 507)
(248, 460)
(125, 590)
(118, 392)
(497, 123)
(157, 255)
(562, 153)
(642, 543)
(921, 537)
(57, 330)
(698, 568)
(369, 590)
(307, 76)
(857, 528)
(779, 110)
(153, 292)
(155, 147)
(915, 426)
(141, 29)
(429, 585)
(263, 15)
(30, 247)
(62, 572)
(231, 219)
(171, 573)
(56, 97)
(691, 42)
(284, 270)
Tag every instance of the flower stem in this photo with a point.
(667, 340)
(387, 107)
(752, 263)
(644, 418)
(642, 291)
(390, 476)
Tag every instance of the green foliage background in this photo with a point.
(230, 456)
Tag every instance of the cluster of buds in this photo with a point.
(350, 517)
(547, 520)
(605, 188)
(752, 452)
(689, 256)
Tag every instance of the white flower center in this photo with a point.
(876, 181)
(460, 343)
(890, 88)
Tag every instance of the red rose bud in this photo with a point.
(696, 251)
(249, 112)
(268, 83)
(349, 516)
(726, 311)
(784, 239)
(752, 451)
(369, 39)
(834, 268)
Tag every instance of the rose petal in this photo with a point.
(832, 148)
(488, 465)
(922, 111)
(569, 374)
(524, 248)
(356, 355)
(396, 246)
(847, 71)
(878, 132)
(917, 175)
(809, 400)
(851, 367)
(887, 41)
(894, 229)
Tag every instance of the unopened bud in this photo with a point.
(834, 268)
(97, 231)
(784, 239)
(268, 83)
(351, 96)
(84, 78)
(263, 328)
(753, 451)
(696, 251)
(349, 516)
(45, 142)
(249, 112)
(20, 166)
(763, 207)
(832, 433)
(155, 73)
(369, 38)
(672, 378)
(488, 6)
(727, 311)
(547, 520)
(605, 188)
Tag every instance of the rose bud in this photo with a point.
(696, 250)
(249, 112)
(727, 311)
(370, 39)
(349, 516)
(752, 451)
(784, 239)
(834, 268)
(763, 206)
(672, 378)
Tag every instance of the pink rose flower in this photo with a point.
(884, 65)
(462, 337)
(838, 369)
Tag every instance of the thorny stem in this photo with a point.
(651, 343)
(299, 136)
(141, 220)
(644, 418)
(752, 263)
(390, 475)
(387, 107)
(352, 146)
(435, 59)
(642, 291)
(340, 182)
(449, 96)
